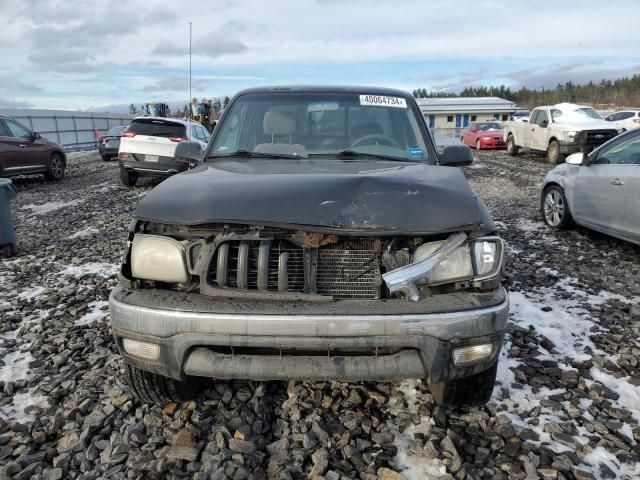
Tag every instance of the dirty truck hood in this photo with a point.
(371, 195)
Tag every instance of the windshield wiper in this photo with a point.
(250, 154)
(348, 154)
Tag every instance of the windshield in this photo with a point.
(574, 114)
(322, 125)
(197, 109)
(488, 127)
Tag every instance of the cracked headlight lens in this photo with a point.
(454, 267)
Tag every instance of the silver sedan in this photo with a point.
(600, 190)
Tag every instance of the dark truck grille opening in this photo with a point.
(346, 270)
(594, 138)
(292, 352)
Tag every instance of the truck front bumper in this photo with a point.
(567, 148)
(302, 346)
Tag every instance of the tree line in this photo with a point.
(623, 92)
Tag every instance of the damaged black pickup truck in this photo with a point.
(321, 237)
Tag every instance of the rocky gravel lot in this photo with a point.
(567, 405)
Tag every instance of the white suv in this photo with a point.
(625, 119)
(148, 145)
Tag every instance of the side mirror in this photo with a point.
(544, 123)
(36, 136)
(456, 156)
(191, 151)
(579, 158)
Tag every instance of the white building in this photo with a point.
(459, 112)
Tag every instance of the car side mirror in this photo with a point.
(36, 136)
(544, 123)
(190, 150)
(456, 156)
(579, 158)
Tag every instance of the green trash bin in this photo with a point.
(7, 233)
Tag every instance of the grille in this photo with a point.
(347, 270)
(596, 137)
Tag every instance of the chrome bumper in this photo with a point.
(424, 342)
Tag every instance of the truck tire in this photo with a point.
(472, 391)
(155, 389)
(512, 148)
(553, 153)
(128, 179)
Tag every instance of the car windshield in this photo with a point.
(322, 125)
(489, 127)
(574, 114)
(197, 109)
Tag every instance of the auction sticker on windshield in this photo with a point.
(382, 101)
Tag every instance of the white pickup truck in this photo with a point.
(558, 130)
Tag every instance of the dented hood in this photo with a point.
(354, 195)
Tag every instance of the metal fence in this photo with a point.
(72, 130)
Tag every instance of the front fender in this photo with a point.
(564, 176)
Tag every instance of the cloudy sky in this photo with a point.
(104, 55)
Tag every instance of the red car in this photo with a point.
(483, 135)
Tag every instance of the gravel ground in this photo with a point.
(567, 404)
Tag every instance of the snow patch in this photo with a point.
(95, 313)
(30, 293)
(49, 207)
(601, 455)
(414, 467)
(629, 394)
(87, 232)
(94, 268)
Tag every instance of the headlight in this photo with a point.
(455, 266)
(448, 261)
(570, 136)
(486, 139)
(158, 258)
(487, 257)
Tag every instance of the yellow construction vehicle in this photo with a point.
(156, 109)
(201, 112)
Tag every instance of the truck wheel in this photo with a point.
(55, 170)
(156, 389)
(555, 209)
(553, 153)
(472, 391)
(128, 179)
(512, 148)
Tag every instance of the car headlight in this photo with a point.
(479, 259)
(159, 258)
(486, 139)
(570, 136)
(454, 267)
(487, 257)
(448, 261)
